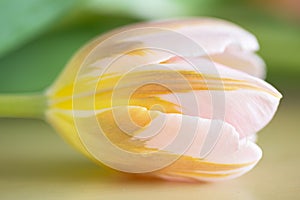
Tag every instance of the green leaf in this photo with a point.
(20, 21)
(34, 66)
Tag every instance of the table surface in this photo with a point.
(35, 163)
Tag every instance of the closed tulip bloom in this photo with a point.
(181, 100)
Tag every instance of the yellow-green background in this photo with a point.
(38, 37)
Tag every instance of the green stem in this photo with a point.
(22, 105)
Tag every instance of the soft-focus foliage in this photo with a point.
(21, 21)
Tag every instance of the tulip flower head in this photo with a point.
(180, 100)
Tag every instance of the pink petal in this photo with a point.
(241, 60)
(246, 102)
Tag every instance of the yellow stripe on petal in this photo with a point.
(188, 168)
(196, 164)
(136, 89)
(121, 124)
(208, 82)
(138, 52)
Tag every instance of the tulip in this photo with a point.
(180, 100)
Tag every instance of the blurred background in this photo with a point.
(38, 37)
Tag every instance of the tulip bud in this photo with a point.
(181, 100)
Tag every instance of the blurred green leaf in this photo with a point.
(138, 8)
(34, 66)
(154, 9)
(22, 20)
